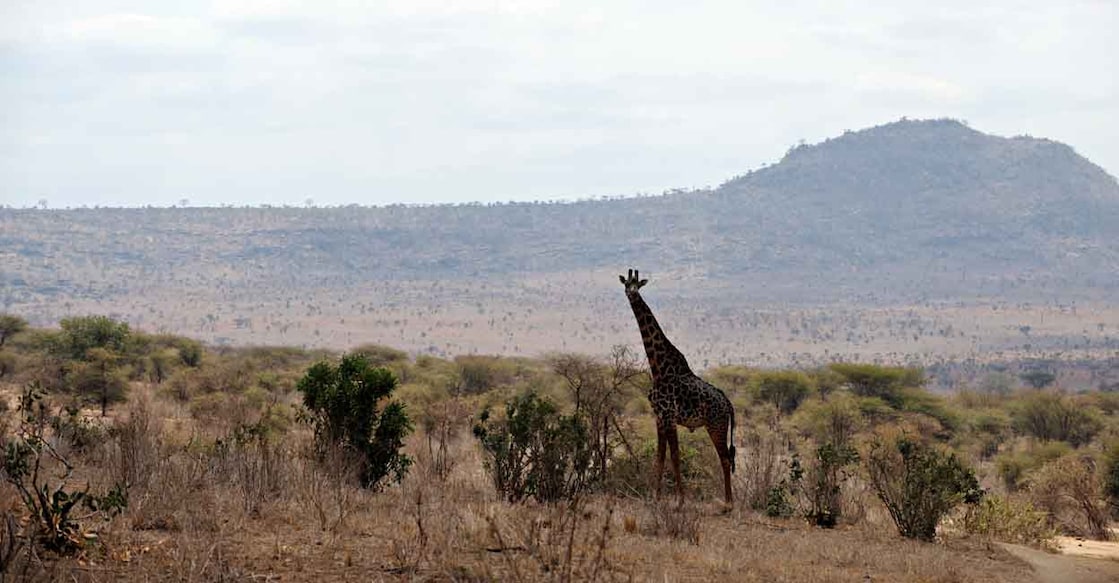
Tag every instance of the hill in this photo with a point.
(905, 213)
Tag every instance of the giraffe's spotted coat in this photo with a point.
(678, 396)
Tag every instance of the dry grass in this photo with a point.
(266, 510)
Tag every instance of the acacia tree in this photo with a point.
(785, 389)
(1038, 378)
(885, 382)
(10, 325)
(83, 333)
(600, 389)
(92, 350)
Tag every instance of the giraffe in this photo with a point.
(678, 396)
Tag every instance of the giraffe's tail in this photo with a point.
(730, 440)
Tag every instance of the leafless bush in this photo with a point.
(766, 456)
(1070, 489)
(411, 552)
(255, 464)
(325, 481)
(136, 445)
(200, 559)
(443, 424)
(14, 557)
(174, 497)
(677, 521)
(600, 388)
(566, 543)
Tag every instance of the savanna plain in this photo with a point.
(139, 456)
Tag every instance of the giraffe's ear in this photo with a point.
(622, 278)
(642, 283)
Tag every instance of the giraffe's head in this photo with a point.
(633, 282)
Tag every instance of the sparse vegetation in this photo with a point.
(214, 453)
(935, 279)
(28, 459)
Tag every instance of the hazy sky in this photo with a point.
(250, 102)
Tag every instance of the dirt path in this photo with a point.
(1052, 568)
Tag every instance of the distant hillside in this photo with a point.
(909, 210)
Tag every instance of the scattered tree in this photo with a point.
(10, 325)
(81, 334)
(600, 391)
(884, 382)
(786, 390)
(1038, 378)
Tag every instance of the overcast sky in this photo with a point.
(275, 102)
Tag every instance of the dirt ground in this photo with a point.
(1072, 565)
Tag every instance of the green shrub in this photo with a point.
(918, 400)
(1010, 520)
(832, 425)
(478, 374)
(1038, 378)
(827, 381)
(875, 409)
(190, 352)
(344, 406)
(918, 483)
(380, 355)
(836, 420)
(630, 474)
(1052, 416)
(8, 364)
(991, 422)
(780, 500)
(535, 451)
(732, 379)
(99, 379)
(824, 482)
(1013, 467)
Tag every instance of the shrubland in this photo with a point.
(133, 455)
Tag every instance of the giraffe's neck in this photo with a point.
(664, 358)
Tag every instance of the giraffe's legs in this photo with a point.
(719, 436)
(674, 447)
(662, 441)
